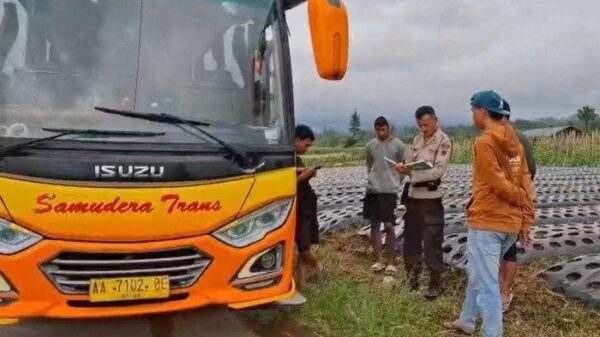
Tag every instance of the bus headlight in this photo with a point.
(14, 239)
(256, 225)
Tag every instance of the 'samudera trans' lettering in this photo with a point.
(48, 203)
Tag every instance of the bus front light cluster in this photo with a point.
(262, 270)
(14, 238)
(256, 225)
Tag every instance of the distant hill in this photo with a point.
(332, 138)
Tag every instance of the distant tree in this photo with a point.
(354, 124)
(546, 122)
(587, 114)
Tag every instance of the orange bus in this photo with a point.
(146, 153)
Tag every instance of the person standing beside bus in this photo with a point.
(307, 225)
(383, 186)
(424, 218)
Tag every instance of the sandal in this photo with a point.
(378, 267)
(459, 326)
(391, 270)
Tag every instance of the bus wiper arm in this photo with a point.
(105, 133)
(67, 132)
(153, 117)
(239, 156)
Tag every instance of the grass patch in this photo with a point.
(355, 303)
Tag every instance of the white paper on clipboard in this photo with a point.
(420, 165)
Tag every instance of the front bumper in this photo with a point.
(37, 296)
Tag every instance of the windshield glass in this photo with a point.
(215, 61)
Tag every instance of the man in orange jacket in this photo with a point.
(500, 210)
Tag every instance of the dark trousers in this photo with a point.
(423, 235)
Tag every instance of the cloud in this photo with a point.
(542, 56)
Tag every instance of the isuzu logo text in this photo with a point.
(129, 171)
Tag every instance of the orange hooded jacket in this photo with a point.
(502, 189)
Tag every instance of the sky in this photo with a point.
(541, 56)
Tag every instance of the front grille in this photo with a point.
(71, 271)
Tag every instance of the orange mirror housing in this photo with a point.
(329, 32)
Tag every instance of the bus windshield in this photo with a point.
(215, 61)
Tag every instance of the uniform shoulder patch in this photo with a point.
(446, 145)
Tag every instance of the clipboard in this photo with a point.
(416, 166)
(420, 165)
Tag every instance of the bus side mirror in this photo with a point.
(329, 32)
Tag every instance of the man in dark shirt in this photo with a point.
(307, 226)
(508, 267)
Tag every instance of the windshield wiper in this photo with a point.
(238, 155)
(105, 133)
(153, 117)
(68, 132)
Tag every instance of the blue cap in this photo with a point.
(490, 101)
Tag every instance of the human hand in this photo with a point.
(402, 168)
(525, 237)
(307, 173)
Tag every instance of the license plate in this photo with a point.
(128, 289)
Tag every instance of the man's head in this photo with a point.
(304, 138)
(427, 120)
(488, 109)
(382, 128)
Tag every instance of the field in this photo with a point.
(355, 302)
(561, 151)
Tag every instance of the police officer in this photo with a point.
(424, 218)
